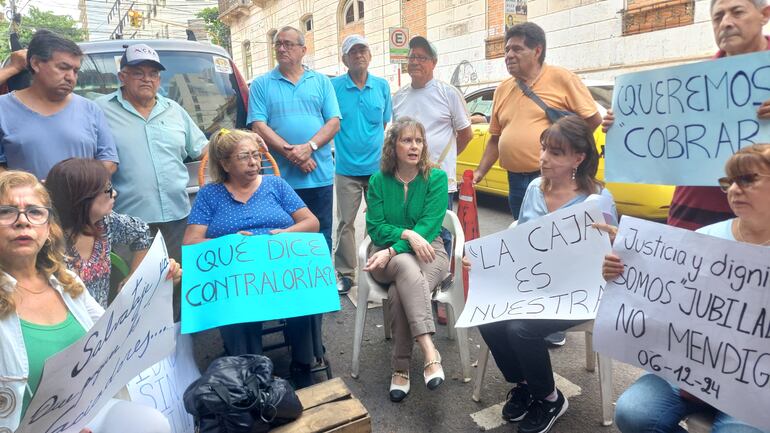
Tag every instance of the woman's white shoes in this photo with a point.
(399, 392)
(433, 380)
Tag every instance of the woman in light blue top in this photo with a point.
(652, 404)
(568, 164)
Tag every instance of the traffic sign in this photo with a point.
(399, 44)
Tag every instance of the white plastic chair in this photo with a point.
(368, 289)
(605, 367)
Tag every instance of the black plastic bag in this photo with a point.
(238, 394)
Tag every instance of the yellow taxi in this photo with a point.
(643, 201)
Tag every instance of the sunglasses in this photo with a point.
(743, 180)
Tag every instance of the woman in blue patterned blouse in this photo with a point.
(83, 197)
(241, 200)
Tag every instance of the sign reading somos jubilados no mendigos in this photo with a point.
(237, 279)
(695, 310)
(678, 125)
(548, 268)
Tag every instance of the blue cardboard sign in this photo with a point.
(238, 279)
(678, 125)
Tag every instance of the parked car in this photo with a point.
(644, 201)
(201, 77)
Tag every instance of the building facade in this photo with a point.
(598, 39)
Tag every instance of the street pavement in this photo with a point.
(450, 407)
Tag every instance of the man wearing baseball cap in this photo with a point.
(440, 107)
(365, 105)
(154, 135)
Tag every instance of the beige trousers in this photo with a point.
(411, 286)
(349, 191)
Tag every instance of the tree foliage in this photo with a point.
(37, 19)
(217, 30)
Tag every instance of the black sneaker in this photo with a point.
(519, 399)
(343, 285)
(557, 338)
(542, 414)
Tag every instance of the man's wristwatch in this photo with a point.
(313, 145)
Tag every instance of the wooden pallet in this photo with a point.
(329, 407)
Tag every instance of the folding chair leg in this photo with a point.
(605, 389)
(590, 355)
(358, 332)
(481, 370)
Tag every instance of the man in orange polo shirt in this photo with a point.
(517, 121)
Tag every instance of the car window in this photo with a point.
(191, 79)
(481, 103)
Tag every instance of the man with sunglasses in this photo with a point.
(737, 26)
(154, 135)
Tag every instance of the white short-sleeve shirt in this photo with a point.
(441, 109)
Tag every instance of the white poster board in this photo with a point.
(162, 386)
(693, 309)
(548, 268)
(135, 332)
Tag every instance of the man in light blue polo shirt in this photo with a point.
(366, 109)
(295, 111)
(154, 135)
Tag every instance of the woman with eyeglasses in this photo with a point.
(44, 308)
(652, 404)
(242, 200)
(83, 198)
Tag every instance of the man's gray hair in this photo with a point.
(759, 4)
(300, 39)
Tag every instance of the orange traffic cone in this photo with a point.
(468, 214)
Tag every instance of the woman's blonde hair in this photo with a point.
(389, 161)
(50, 258)
(221, 147)
(748, 160)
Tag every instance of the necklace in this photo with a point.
(743, 237)
(405, 182)
(30, 290)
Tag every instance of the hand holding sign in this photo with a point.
(692, 309)
(669, 121)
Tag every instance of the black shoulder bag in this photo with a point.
(551, 113)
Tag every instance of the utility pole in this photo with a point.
(115, 11)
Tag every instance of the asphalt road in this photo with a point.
(450, 407)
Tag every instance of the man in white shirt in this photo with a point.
(439, 107)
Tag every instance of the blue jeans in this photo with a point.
(320, 201)
(517, 187)
(652, 405)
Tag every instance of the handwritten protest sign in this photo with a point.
(548, 268)
(162, 386)
(692, 309)
(237, 279)
(136, 331)
(678, 125)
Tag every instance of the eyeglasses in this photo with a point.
(245, 156)
(286, 44)
(418, 59)
(743, 180)
(110, 190)
(37, 215)
(138, 74)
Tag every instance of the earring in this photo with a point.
(574, 172)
